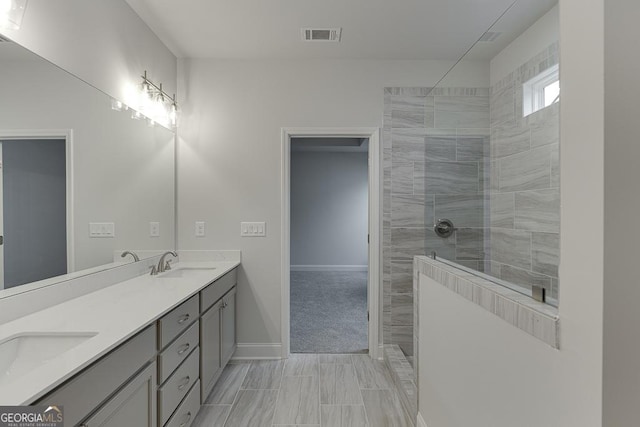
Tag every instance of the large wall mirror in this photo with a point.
(80, 182)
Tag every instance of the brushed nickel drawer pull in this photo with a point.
(184, 318)
(186, 382)
(184, 348)
(187, 421)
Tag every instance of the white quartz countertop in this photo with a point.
(115, 313)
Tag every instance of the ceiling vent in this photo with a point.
(321, 34)
(490, 36)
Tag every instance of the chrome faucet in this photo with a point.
(133, 254)
(162, 265)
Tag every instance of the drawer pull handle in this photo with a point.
(184, 348)
(186, 382)
(183, 318)
(187, 420)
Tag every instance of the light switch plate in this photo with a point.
(102, 229)
(253, 229)
(200, 229)
(154, 229)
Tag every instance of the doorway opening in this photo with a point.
(34, 208)
(330, 241)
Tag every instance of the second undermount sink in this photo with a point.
(185, 272)
(22, 353)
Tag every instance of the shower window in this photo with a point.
(541, 91)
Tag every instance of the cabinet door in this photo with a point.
(133, 406)
(210, 361)
(228, 325)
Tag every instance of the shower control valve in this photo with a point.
(444, 228)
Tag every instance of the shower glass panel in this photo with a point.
(491, 155)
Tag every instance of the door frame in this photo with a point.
(67, 135)
(375, 226)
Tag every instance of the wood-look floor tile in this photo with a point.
(339, 385)
(371, 374)
(384, 409)
(211, 416)
(299, 401)
(343, 359)
(253, 408)
(301, 365)
(225, 390)
(343, 416)
(264, 374)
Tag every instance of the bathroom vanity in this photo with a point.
(143, 352)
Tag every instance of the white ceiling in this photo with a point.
(372, 29)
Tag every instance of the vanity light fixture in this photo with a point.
(11, 13)
(149, 101)
(156, 104)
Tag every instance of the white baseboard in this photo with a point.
(329, 268)
(251, 351)
(421, 422)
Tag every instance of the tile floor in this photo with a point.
(328, 390)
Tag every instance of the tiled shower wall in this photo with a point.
(434, 153)
(524, 193)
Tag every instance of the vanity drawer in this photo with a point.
(177, 386)
(217, 289)
(177, 321)
(172, 356)
(89, 389)
(188, 409)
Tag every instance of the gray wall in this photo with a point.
(34, 208)
(329, 208)
(621, 211)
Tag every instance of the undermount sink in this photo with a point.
(184, 272)
(22, 353)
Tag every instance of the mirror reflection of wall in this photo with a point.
(33, 221)
(69, 161)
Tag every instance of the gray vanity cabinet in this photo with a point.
(210, 360)
(228, 327)
(217, 330)
(159, 377)
(133, 406)
(91, 392)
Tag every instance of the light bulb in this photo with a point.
(173, 115)
(118, 105)
(11, 13)
(5, 7)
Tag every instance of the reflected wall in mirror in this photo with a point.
(472, 151)
(79, 180)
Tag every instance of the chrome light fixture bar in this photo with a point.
(155, 91)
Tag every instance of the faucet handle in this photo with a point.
(154, 270)
(167, 265)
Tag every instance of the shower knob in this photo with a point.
(444, 228)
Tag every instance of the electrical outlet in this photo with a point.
(154, 229)
(200, 229)
(102, 229)
(253, 229)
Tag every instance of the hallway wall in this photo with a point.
(329, 210)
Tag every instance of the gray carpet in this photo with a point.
(328, 312)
